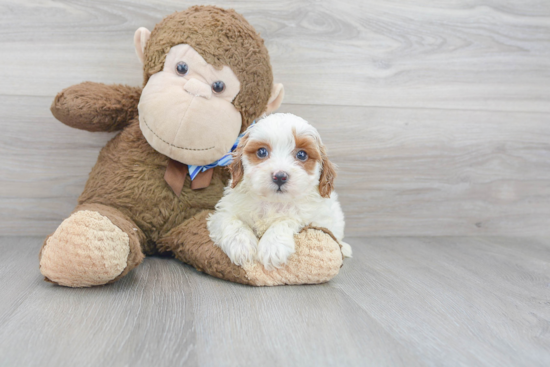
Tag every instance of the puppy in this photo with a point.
(281, 181)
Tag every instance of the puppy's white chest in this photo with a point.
(266, 214)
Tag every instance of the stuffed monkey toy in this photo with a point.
(207, 77)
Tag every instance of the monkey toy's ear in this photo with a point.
(140, 40)
(276, 98)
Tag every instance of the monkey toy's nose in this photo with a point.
(197, 88)
(280, 178)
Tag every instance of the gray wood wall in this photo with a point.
(437, 113)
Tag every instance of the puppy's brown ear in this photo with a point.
(236, 167)
(328, 174)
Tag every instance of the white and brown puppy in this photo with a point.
(281, 181)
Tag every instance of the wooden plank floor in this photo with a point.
(401, 301)
(437, 115)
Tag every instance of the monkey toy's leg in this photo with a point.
(317, 259)
(96, 245)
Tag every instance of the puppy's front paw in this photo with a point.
(274, 249)
(240, 247)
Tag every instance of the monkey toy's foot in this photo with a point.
(317, 259)
(88, 249)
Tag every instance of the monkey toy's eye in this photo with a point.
(301, 156)
(218, 86)
(182, 68)
(262, 153)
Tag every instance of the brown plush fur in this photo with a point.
(135, 235)
(127, 183)
(97, 107)
(125, 224)
(133, 182)
(317, 260)
(221, 37)
(199, 251)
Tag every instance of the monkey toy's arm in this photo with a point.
(96, 106)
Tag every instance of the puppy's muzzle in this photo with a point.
(280, 178)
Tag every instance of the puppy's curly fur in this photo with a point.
(282, 181)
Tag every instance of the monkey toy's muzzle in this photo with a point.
(192, 129)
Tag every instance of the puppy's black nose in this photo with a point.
(280, 178)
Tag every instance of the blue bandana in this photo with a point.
(223, 161)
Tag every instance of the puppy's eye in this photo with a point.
(262, 153)
(182, 68)
(301, 156)
(218, 86)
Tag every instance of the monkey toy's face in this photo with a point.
(186, 110)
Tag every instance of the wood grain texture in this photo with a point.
(401, 171)
(401, 301)
(490, 55)
(437, 113)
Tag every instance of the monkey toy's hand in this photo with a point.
(96, 106)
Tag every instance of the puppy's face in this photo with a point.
(281, 158)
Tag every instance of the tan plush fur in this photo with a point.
(60, 267)
(317, 259)
(85, 250)
(127, 209)
(221, 37)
